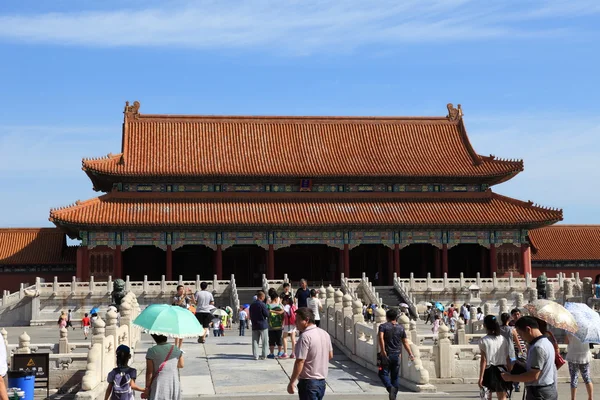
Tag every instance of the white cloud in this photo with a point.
(295, 26)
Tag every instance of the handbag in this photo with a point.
(559, 361)
(160, 368)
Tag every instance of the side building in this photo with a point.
(308, 196)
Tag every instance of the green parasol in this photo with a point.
(171, 321)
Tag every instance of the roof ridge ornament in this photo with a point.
(133, 110)
(454, 114)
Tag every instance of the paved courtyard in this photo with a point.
(223, 368)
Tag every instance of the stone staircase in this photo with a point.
(246, 295)
(390, 297)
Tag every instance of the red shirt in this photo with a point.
(86, 321)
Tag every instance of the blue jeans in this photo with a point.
(389, 374)
(311, 389)
(242, 328)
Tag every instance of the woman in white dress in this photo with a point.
(315, 305)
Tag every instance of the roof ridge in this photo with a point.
(528, 203)
(572, 226)
(28, 229)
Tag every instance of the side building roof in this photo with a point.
(35, 246)
(216, 211)
(162, 147)
(566, 243)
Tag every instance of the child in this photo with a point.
(436, 324)
(85, 325)
(216, 325)
(243, 315)
(121, 380)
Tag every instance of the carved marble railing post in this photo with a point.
(91, 285)
(478, 279)
(163, 285)
(494, 282)
(533, 294)
(92, 369)
(145, 285)
(357, 315)
(511, 282)
(127, 283)
(109, 285)
(337, 300)
(462, 280)
(443, 351)
(330, 293)
(98, 332)
(550, 291)
(180, 280)
(587, 292)
(111, 327)
(73, 285)
(519, 300)
(412, 331)
(347, 315)
(472, 320)
(461, 336)
(322, 295)
(24, 344)
(127, 318)
(55, 286)
(63, 342)
(487, 309)
(568, 290)
(502, 306)
(446, 281)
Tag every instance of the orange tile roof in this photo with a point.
(25, 246)
(302, 210)
(566, 242)
(299, 147)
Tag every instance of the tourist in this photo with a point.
(302, 294)
(121, 380)
(3, 369)
(579, 357)
(163, 362)
(270, 295)
(540, 378)
(62, 320)
(479, 316)
(275, 326)
(204, 304)
(451, 311)
(369, 314)
(183, 301)
(216, 324)
(69, 322)
(286, 291)
(229, 312)
(85, 325)
(289, 326)
(391, 336)
(495, 359)
(315, 305)
(467, 313)
(94, 318)
(259, 315)
(313, 352)
(520, 348)
(436, 325)
(510, 334)
(597, 287)
(464, 311)
(242, 317)
(428, 315)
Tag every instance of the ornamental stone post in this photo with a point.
(587, 290)
(357, 312)
(337, 300)
(550, 295)
(568, 289)
(461, 336)
(111, 326)
(91, 285)
(98, 331)
(63, 342)
(487, 309)
(502, 306)
(519, 300)
(443, 352)
(322, 295)
(379, 316)
(329, 292)
(533, 295)
(55, 286)
(413, 335)
(24, 344)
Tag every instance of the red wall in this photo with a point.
(12, 282)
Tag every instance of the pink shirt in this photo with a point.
(314, 346)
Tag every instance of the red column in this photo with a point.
(397, 259)
(169, 271)
(271, 263)
(390, 266)
(493, 260)
(346, 261)
(525, 259)
(118, 270)
(444, 259)
(219, 262)
(83, 263)
(438, 263)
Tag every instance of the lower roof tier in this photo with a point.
(566, 243)
(301, 211)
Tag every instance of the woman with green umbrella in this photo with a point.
(164, 360)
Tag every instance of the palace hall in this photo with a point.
(310, 197)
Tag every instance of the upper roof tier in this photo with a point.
(566, 243)
(34, 246)
(221, 148)
(222, 211)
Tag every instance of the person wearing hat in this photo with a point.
(121, 380)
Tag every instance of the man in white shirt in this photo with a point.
(3, 369)
(205, 303)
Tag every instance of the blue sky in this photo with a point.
(526, 74)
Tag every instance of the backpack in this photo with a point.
(122, 385)
(292, 315)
